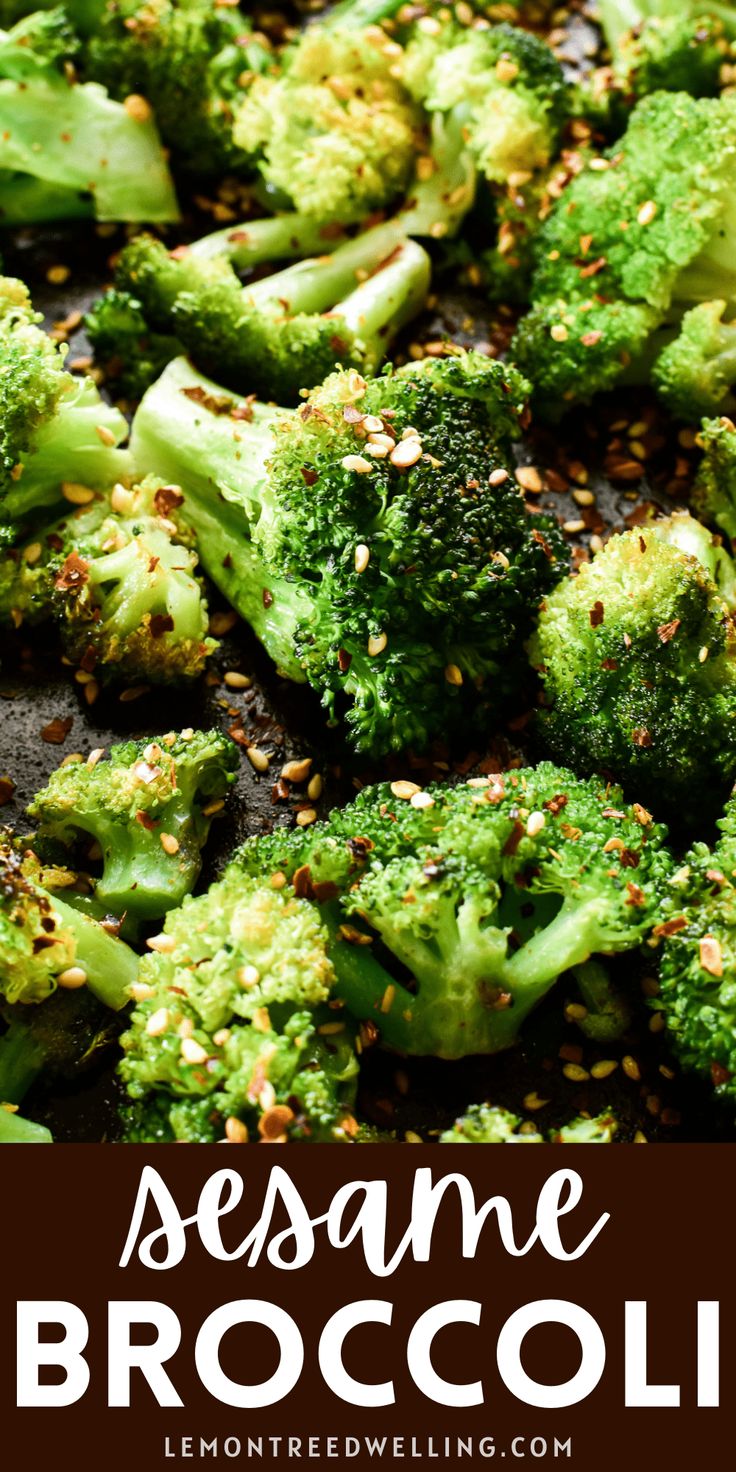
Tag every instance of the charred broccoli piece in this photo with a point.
(233, 1030)
(120, 581)
(66, 148)
(376, 540)
(454, 910)
(149, 807)
(54, 428)
(638, 658)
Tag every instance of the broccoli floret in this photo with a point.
(698, 964)
(637, 657)
(620, 17)
(233, 1028)
(54, 428)
(639, 236)
(149, 808)
(409, 564)
(714, 492)
(696, 373)
(120, 580)
(44, 943)
(486, 1124)
(131, 356)
(287, 331)
(672, 53)
(15, 1130)
(502, 84)
(193, 62)
(455, 909)
(334, 131)
(71, 138)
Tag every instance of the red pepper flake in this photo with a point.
(668, 631)
(612, 813)
(161, 623)
(166, 499)
(637, 896)
(514, 839)
(213, 403)
(338, 345)
(88, 662)
(351, 415)
(544, 544)
(244, 411)
(627, 641)
(641, 737)
(180, 252)
(589, 339)
(309, 476)
(57, 730)
(280, 791)
(146, 821)
(711, 955)
(670, 927)
(629, 858)
(719, 1074)
(609, 664)
(596, 615)
(238, 734)
(302, 882)
(74, 574)
(325, 891)
(555, 804)
(7, 788)
(344, 661)
(267, 598)
(593, 268)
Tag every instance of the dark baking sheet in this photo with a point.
(287, 721)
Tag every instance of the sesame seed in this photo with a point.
(558, 332)
(406, 453)
(169, 843)
(575, 1073)
(91, 691)
(95, 756)
(140, 992)
(387, 1000)
(258, 759)
(534, 824)
(75, 494)
(453, 674)
(305, 817)
(377, 450)
(532, 1101)
(631, 1068)
(357, 463)
(222, 623)
(165, 944)
(249, 976)
(362, 557)
(646, 213)
(314, 790)
(157, 1022)
(376, 644)
(422, 800)
(73, 977)
(583, 498)
(235, 681)
(105, 434)
(405, 790)
(32, 553)
(497, 477)
(297, 771)
(138, 108)
(657, 1022)
(236, 1132)
(122, 500)
(529, 479)
(573, 526)
(605, 1068)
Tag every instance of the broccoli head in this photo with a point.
(455, 909)
(487, 1124)
(619, 18)
(54, 428)
(234, 1029)
(638, 658)
(695, 373)
(714, 492)
(149, 808)
(130, 354)
(44, 943)
(643, 233)
(697, 974)
(120, 580)
(68, 145)
(287, 331)
(408, 566)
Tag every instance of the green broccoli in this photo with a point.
(375, 540)
(71, 147)
(287, 331)
(619, 18)
(14, 1130)
(695, 373)
(675, 53)
(54, 428)
(486, 1124)
(638, 658)
(149, 808)
(714, 492)
(120, 581)
(193, 62)
(643, 233)
(131, 356)
(697, 971)
(455, 909)
(234, 1029)
(44, 943)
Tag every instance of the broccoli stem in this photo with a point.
(70, 448)
(25, 200)
(21, 1061)
(175, 435)
(568, 940)
(315, 285)
(110, 965)
(438, 205)
(377, 310)
(275, 238)
(609, 1013)
(712, 275)
(14, 1130)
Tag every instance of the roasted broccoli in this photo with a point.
(714, 492)
(643, 233)
(486, 1124)
(66, 148)
(120, 581)
(44, 943)
(375, 540)
(619, 18)
(638, 658)
(15, 1130)
(287, 331)
(697, 971)
(695, 373)
(54, 428)
(148, 808)
(234, 1029)
(454, 909)
(130, 354)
